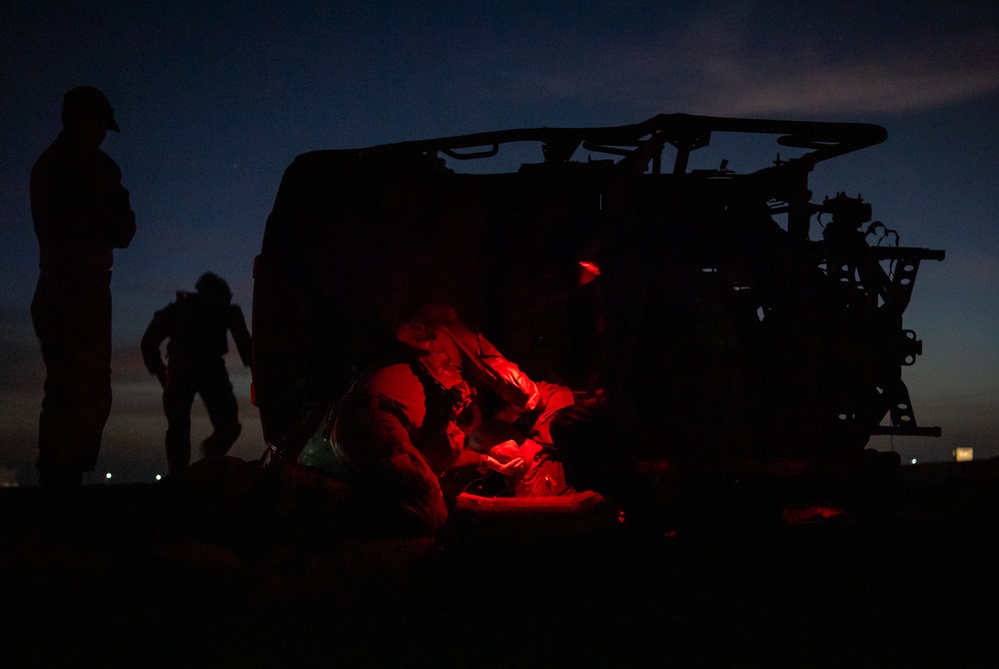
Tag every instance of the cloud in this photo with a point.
(715, 65)
(893, 86)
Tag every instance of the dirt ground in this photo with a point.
(120, 577)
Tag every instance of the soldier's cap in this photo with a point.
(87, 102)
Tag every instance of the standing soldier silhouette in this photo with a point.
(196, 325)
(81, 213)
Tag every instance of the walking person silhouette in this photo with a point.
(196, 325)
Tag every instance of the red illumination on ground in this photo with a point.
(809, 514)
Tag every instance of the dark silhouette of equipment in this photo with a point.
(197, 327)
(717, 326)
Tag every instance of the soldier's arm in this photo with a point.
(112, 205)
(484, 363)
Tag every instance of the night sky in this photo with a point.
(215, 101)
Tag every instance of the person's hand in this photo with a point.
(505, 458)
(508, 468)
(505, 450)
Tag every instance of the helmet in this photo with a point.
(213, 287)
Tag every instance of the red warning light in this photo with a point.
(588, 272)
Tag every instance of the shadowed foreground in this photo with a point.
(127, 577)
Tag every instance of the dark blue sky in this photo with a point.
(214, 102)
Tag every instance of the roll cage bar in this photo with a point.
(642, 144)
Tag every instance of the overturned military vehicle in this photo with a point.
(701, 315)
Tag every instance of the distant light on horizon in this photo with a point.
(158, 477)
(914, 461)
(108, 475)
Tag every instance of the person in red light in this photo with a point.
(405, 424)
(81, 213)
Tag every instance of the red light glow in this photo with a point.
(809, 514)
(588, 272)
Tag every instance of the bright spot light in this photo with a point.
(914, 461)
(158, 477)
(108, 475)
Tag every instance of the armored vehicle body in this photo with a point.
(720, 315)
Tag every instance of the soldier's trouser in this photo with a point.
(399, 495)
(212, 383)
(394, 487)
(73, 326)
